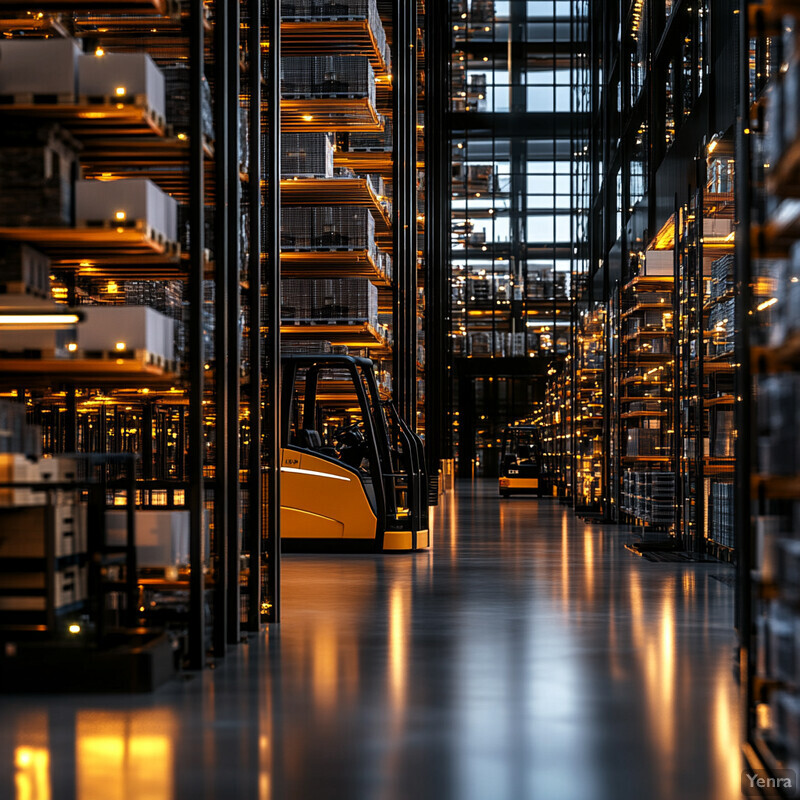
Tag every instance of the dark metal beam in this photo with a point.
(273, 341)
(223, 174)
(255, 493)
(233, 354)
(196, 371)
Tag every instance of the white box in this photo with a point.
(16, 468)
(718, 228)
(162, 536)
(133, 327)
(658, 262)
(39, 66)
(133, 73)
(137, 199)
(71, 586)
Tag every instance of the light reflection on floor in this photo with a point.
(528, 656)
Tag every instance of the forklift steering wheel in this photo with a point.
(351, 444)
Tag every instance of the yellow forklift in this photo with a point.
(353, 472)
(522, 462)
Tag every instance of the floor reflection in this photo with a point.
(528, 656)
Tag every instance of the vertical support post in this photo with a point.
(196, 34)
(744, 407)
(437, 220)
(272, 410)
(233, 354)
(404, 26)
(255, 494)
(223, 180)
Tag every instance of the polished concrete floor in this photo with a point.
(527, 656)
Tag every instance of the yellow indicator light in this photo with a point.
(120, 345)
(120, 91)
(74, 628)
(183, 137)
(99, 52)
(72, 347)
(307, 117)
(119, 215)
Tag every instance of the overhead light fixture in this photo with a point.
(22, 321)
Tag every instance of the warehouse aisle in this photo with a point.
(528, 656)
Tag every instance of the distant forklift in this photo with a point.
(353, 473)
(521, 462)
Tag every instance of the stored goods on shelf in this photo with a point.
(36, 164)
(313, 77)
(24, 271)
(307, 155)
(122, 76)
(329, 299)
(116, 331)
(126, 201)
(39, 67)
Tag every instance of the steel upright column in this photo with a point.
(272, 410)
(744, 408)
(255, 494)
(404, 25)
(233, 353)
(437, 229)
(222, 179)
(196, 34)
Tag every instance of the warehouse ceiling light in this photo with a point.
(38, 320)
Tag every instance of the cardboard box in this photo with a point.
(123, 75)
(39, 66)
(136, 328)
(137, 199)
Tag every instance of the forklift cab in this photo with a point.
(352, 471)
(521, 461)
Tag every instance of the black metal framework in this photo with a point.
(404, 226)
(271, 610)
(196, 377)
(439, 396)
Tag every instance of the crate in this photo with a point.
(313, 77)
(132, 199)
(128, 331)
(36, 164)
(327, 228)
(381, 142)
(123, 75)
(23, 271)
(47, 69)
(329, 299)
(177, 100)
(307, 155)
(315, 10)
